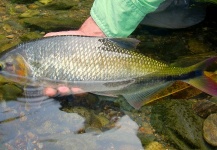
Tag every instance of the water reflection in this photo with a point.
(123, 136)
(29, 124)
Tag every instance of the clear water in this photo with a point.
(44, 123)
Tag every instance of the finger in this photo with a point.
(63, 90)
(76, 90)
(51, 92)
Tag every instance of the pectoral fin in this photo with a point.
(141, 94)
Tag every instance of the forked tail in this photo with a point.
(201, 76)
(207, 82)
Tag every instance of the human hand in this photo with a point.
(88, 28)
(63, 91)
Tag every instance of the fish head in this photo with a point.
(13, 64)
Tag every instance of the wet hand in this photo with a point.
(63, 91)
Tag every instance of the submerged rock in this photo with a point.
(45, 1)
(210, 129)
(30, 36)
(60, 4)
(20, 8)
(196, 46)
(7, 28)
(29, 13)
(7, 43)
(92, 120)
(22, 1)
(176, 120)
(155, 146)
(204, 108)
(51, 23)
(10, 91)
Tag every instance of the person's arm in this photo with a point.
(119, 18)
(113, 18)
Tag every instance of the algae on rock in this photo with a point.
(30, 36)
(51, 24)
(176, 120)
(10, 91)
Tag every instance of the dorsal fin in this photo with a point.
(127, 43)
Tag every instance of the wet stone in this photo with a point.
(2, 11)
(15, 25)
(7, 28)
(7, 43)
(176, 120)
(196, 46)
(60, 4)
(2, 37)
(20, 8)
(29, 13)
(10, 91)
(33, 6)
(204, 108)
(210, 129)
(30, 36)
(51, 23)
(155, 146)
(45, 1)
(11, 36)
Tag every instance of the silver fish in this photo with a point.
(99, 65)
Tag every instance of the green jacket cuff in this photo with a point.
(119, 18)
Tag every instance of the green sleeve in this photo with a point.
(119, 18)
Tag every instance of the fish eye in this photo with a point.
(9, 64)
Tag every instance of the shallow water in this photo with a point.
(42, 125)
(91, 122)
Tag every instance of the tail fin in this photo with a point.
(196, 75)
(206, 82)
